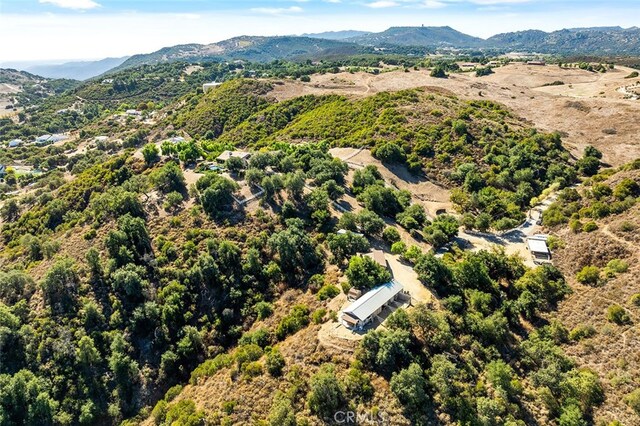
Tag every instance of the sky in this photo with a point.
(62, 30)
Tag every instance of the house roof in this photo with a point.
(228, 154)
(378, 256)
(537, 246)
(373, 300)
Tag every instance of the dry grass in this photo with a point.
(522, 89)
(614, 351)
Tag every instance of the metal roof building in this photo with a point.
(539, 249)
(370, 304)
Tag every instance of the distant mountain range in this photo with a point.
(573, 41)
(419, 37)
(79, 70)
(337, 35)
(249, 48)
(583, 41)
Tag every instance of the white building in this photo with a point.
(43, 139)
(537, 245)
(210, 86)
(364, 310)
(14, 143)
(243, 155)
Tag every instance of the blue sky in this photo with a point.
(49, 30)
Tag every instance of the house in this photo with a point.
(176, 139)
(210, 86)
(467, 66)
(378, 256)
(243, 155)
(364, 310)
(101, 138)
(133, 112)
(14, 143)
(43, 139)
(538, 63)
(537, 245)
(57, 138)
(3, 170)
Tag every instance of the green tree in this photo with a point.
(60, 287)
(410, 387)
(169, 178)
(150, 153)
(364, 273)
(325, 393)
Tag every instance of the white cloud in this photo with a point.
(277, 10)
(72, 4)
(333, 1)
(432, 4)
(495, 2)
(382, 4)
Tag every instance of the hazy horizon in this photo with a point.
(57, 31)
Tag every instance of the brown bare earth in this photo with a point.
(588, 109)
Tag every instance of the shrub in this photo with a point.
(252, 369)
(325, 394)
(438, 72)
(627, 226)
(263, 310)
(390, 235)
(275, 362)
(399, 247)
(328, 291)
(588, 275)
(617, 266)
(618, 315)
(297, 319)
(589, 226)
(633, 400)
(635, 299)
(317, 317)
(581, 331)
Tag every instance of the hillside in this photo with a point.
(336, 35)
(144, 281)
(248, 48)
(586, 41)
(609, 41)
(598, 253)
(419, 36)
(19, 89)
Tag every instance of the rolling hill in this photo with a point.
(255, 49)
(606, 41)
(80, 70)
(419, 36)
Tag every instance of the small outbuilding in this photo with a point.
(379, 257)
(365, 309)
(540, 252)
(210, 86)
(354, 294)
